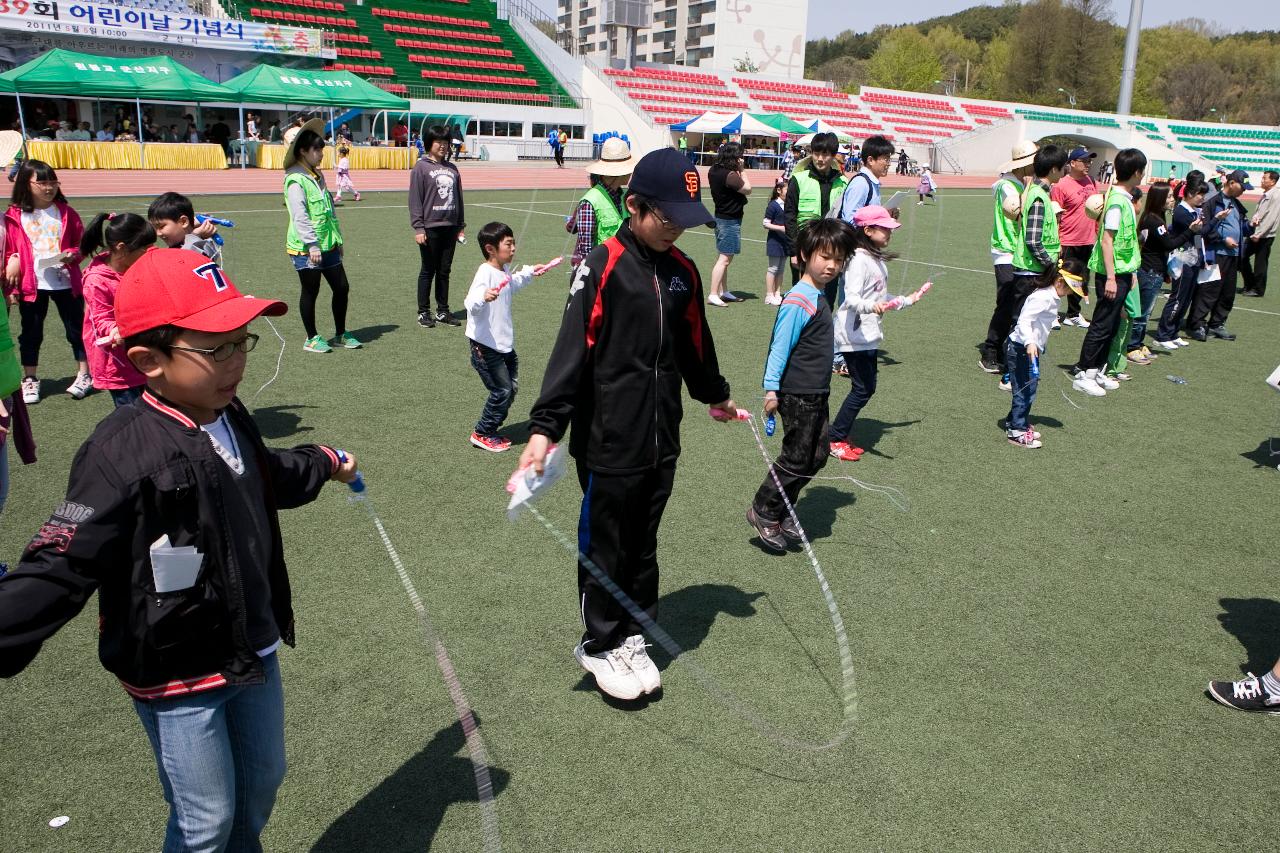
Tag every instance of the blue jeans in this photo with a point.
(220, 757)
(864, 368)
(499, 373)
(1018, 364)
(328, 259)
(1149, 282)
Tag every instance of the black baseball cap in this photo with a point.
(673, 183)
(1081, 154)
(1241, 177)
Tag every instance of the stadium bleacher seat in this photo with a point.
(445, 47)
(1066, 118)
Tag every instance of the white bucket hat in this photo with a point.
(1022, 155)
(615, 160)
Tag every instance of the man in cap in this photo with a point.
(1006, 235)
(1226, 227)
(600, 212)
(634, 327)
(1077, 231)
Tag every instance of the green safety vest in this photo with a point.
(608, 218)
(1022, 257)
(809, 201)
(319, 210)
(1006, 233)
(1128, 257)
(10, 372)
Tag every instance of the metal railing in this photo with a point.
(573, 87)
(429, 93)
(622, 94)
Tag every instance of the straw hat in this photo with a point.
(615, 160)
(1022, 155)
(10, 144)
(316, 125)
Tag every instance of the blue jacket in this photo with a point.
(803, 339)
(1213, 231)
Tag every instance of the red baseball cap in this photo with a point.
(182, 288)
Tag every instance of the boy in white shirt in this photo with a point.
(490, 331)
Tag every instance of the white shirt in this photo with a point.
(44, 231)
(224, 443)
(866, 282)
(1036, 318)
(1006, 192)
(1112, 220)
(489, 323)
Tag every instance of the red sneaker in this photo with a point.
(491, 443)
(844, 451)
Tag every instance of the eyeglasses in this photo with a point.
(222, 352)
(663, 221)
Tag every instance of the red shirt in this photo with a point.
(1075, 228)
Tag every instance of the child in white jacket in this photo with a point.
(857, 320)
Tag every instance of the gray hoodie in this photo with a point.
(435, 196)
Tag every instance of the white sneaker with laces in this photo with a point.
(80, 387)
(1168, 345)
(1104, 380)
(1005, 384)
(612, 671)
(30, 390)
(641, 664)
(1088, 384)
(1182, 342)
(716, 301)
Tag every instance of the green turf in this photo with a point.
(1031, 639)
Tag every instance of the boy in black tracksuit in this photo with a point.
(634, 327)
(185, 468)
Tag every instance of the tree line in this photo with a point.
(1053, 51)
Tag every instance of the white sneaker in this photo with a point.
(1182, 342)
(1121, 377)
(1056, 324)
(612, 671)
(1079, 322)
(716, 301)
(1103, 380)
(641, 664)
(30, 390)
(1168, 345)
(81, 386)
(1087, 381)
(1005, 384)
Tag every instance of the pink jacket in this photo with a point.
(18, 244)
(110, 367)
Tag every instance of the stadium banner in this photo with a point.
(117, 22)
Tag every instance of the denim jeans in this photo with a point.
(499, 373)
(1149, 282)
(1024, 384)
(220, 756)
(863, 369)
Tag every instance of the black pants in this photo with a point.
(500, 373)
(70, 312)
(310, 279)
(864, 369)
(618, 531)
(1214, 299)
(1081, 254)
(1180, 300)
(560, 156)
(437, 263)
(1253, 266)
(1011, 291)
(1105, 322)
(804, 451)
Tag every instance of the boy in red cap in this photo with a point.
(171, 514)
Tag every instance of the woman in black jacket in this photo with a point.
(1186, 225)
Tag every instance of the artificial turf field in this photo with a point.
(1031, 638)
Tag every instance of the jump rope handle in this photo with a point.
(356, 485)
(1035, 367)
(740, 415)
(221, 223)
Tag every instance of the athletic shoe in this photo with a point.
(1168, 345)
(317, 344)
(1088, 384)
(1078, 322)
(1199, 335)
(346, 340)
(357, 196)
(716, 301)
(1182, 342)
(729, 296)
(1136, 357)
(1056, 324)
(612, 671)
(425, 320)
(641, 664)
(1250, 293)
(81, 386)
(30, 390)
(1026, 440)
(791, 529)
(1005, 384)
(1103, 380)
(1247, 694)
(1221, 333)
(1119, 377)
(447, 318)
(491, 443)
(1146, 350)
(1004, 425)
(776, 299)
(839, 368)
(770, 532)
(989, 365)
(845, 452)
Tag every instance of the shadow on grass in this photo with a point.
(369, 334)
(867, 433)
(404, 811)
(279, 421)
(1037, 421)
(518, 433)
(1255, 622)
(817, 509)
(1263, 457)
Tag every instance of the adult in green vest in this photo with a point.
(815, 188)
(1039, 246)
(1116, 257)
(1006, 233)
(314, 240)
(600, 211)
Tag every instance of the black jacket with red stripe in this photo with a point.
(149, 471)
(634, 327)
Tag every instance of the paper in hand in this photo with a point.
(895, 201)
(525, 484)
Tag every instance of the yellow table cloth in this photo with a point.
(362, 157)
(126, 155)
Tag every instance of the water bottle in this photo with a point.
(1035, 367)
(356, 485)
(1176, 380)
(770, 424)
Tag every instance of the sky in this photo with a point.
(823, 14)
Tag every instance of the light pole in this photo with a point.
(1071, 97)
(1128, 71)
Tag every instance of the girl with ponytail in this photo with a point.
(125, 237)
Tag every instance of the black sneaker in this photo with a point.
(791, 529)
(447, 318)
(425, 320)
(770, 532)
(989, 365)
(1247, 694)
(1221, 333)
(1199, 334)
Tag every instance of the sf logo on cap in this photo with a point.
(212, 273)
(691, 183)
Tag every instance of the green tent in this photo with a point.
(267, 84)
(781, 123)
(155, 78)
